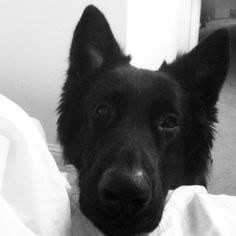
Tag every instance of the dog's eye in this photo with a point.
(103, 111)
(169, 122)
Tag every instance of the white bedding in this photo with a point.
(33, 193)
(34, 199)
(189, 211)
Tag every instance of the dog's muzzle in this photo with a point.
(126, 192)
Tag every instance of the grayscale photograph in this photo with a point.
(118, 118)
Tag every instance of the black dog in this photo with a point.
(133, 134)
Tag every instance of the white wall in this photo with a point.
(34, 43)
(158, 30)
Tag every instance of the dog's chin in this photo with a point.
(117, 225)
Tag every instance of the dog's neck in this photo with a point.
(81, 226)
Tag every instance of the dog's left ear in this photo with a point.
(93, 45)
(163, 65)
(204, 69)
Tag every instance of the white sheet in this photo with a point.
(33, 193)
(189, 211)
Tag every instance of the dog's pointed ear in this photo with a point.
(163, 65)
(204, 69)
(93, 44)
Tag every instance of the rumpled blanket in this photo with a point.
(33, 193)
(189, 211)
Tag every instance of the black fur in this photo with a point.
(139, 103)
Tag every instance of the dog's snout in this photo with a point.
(128, 192)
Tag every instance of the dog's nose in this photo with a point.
(127, 192)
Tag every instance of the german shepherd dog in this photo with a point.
(133, 134)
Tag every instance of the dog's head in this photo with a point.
(133, 134)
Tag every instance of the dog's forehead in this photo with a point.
(141, 79)
(138, 83)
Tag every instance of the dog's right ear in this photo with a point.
(93, 45)
(204, 69)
